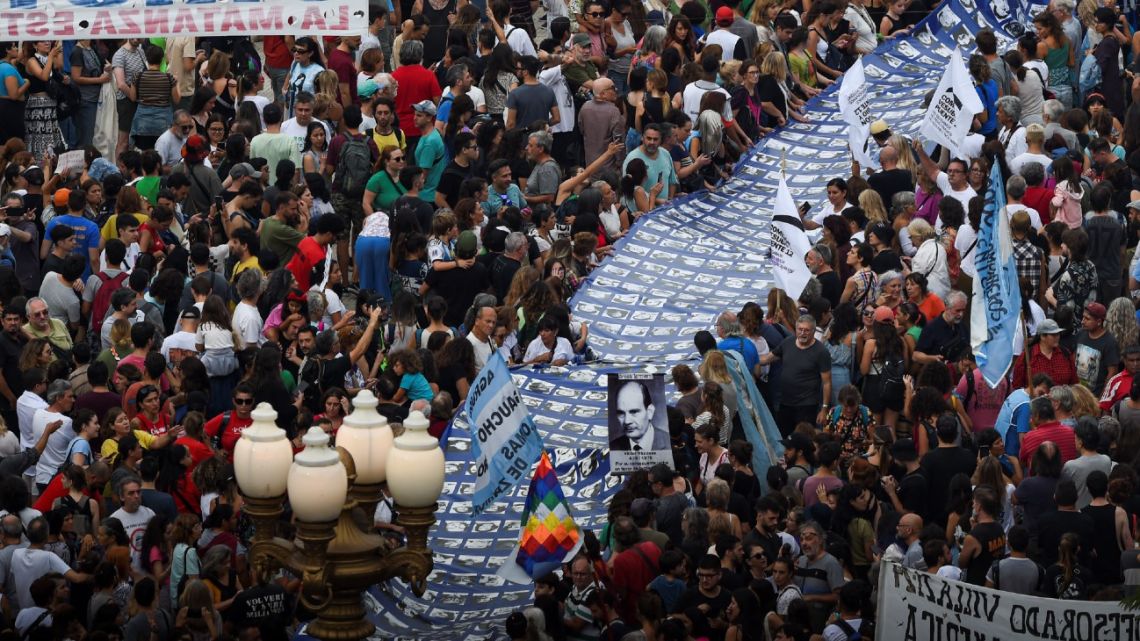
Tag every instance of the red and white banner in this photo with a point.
(82, 19)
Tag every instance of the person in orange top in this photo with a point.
(928, 302)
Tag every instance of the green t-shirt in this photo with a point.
(279, 238)
(578, 74)
(431, 155)
(386, 190)
(274, 148)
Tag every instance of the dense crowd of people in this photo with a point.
(181, 243)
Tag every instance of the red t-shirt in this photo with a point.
(632, 572)
(309, 254)
(157, 245)
(1038, 198)
(277, 55)
(345, 67)
(416, 84)
(233, 430)
(1057, 432)
(55, 490)
(198, 450)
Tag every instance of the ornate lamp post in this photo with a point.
(331, 492)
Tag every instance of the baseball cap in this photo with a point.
(367, 88)
(425, 107)
(903, 450)
(466, 246)
(191, 312)
(5, 230)
(796, 441)
(243, 169)
(1048, 326)
(1135, 204)
(641, 508)
(724, 16)
(59, 198)
(879, 126)
(884, 314)
(581, 40)
(1096, 310)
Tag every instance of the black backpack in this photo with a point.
(866, 629)
(891, 378)
(354, 167)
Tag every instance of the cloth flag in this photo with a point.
(996, 309)
(789, 244)
(549, 535)
(953, 107)
(855, 105)
(504, 439)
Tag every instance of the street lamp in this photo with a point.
(336, 552)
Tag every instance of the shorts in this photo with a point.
(352, 209)
(126, 109)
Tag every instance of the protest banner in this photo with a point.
(789, 244)
(81, 19)
(855, 105)
(996, 310)
(638, 424)
(918, 606)
(505, 441)
(953, 106)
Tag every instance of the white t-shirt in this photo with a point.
(1016, 145)
(247, 323)
(693, 93)
(519, 41)
(972, 147)
(26, 406)
(169, 148)
(135, 525)
(333, 305)
(554, 79)
(53, 454)
(483, 351)
(1023, 159)
(129, 258)
(28, 565)
(179, 340)
(962, 196)
(562, 349)
(259, 102)
(1034, 216)
(212, 336)
(298, 131)
(964, 243)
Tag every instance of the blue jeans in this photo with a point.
(84, 122)
(277, 81)
(620, 81)
(372, 259)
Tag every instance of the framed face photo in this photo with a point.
(638, 431)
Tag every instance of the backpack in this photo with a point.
(107, 286)
(216, 441)
(245, 59)
(865, 631)
(353, 168)
(995, 570)
(891, 378)
(182, 579)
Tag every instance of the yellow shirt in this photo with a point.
(249, 263)
(108, 231)
(57, 333)
(384, 140)
(110, 449)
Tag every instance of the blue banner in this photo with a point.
(505, 440)
(996, 309)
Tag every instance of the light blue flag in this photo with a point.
(996, 308)
(505, 442)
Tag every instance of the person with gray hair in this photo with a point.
(818, 261)
(133, 515)
(1011, 134)
(34, 562)
(542, 185)
(247, 321)
(1015, 189)
(60, 402)
(169, 144)
(1051, 113)
(806, 378)
(823, 572)
(732, 338)
(944, 338)
(506, 264)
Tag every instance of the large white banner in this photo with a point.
(789, 244)
(953, 107)
(81, 19)
(917, 606)
(855, 105)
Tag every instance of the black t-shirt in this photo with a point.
(693, 597)
(422, 211)
(448, 376)
(459, 288)
(991, 537)
(939, 466)
(452, 178)
(1052, 525)
(938, 337)
(912, 491)
(890, 182)
(267, 607)
(771, 544)
(10, 349)
(502, 273)
(886, 261)
(831, 287)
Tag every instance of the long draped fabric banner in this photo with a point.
(82, 19)
(669, 277)
(917, 606)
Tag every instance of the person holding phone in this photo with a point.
(658, 164)
(42, 60)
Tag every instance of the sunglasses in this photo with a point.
(596, 14)
(397, 158)
(299, 50)
(243, 401)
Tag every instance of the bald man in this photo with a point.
(909, 529)
(892, 179)
(601, 122)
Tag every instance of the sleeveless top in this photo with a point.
(842, 355)
(1058, 63)
(438, 26)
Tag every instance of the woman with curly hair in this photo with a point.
(37, 353)
(1120, 321)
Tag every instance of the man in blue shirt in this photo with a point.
(1013, 418)
(731, 337)
(86, 232)
(658, 163)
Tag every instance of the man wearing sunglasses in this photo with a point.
(225, 430)
(169, 144)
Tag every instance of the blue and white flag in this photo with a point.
(505, 442)
(996, 307)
